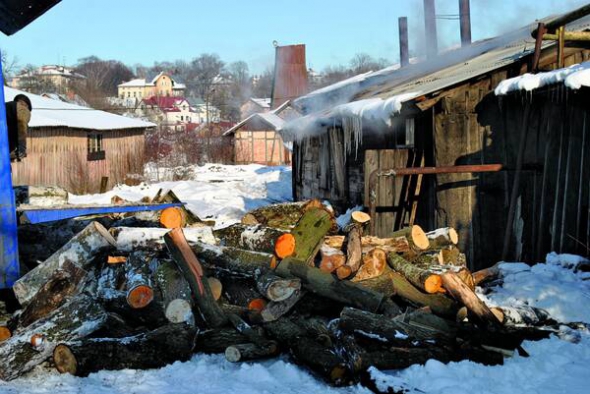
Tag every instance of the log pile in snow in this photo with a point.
(282, 281)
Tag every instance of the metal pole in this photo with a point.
(404, 55)
(465, 18)
(9, 266)
(430, 28)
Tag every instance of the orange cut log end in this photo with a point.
(172, 217)
(285, 246)
(419, 237)
(274, 262)
(116, 259)
(257, 304)
(433, 284)
(140, 296)
(4, 333)
(343, 272)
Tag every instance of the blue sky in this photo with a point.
(144, 31)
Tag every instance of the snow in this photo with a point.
(574, 77)
(214, 191)
(53, 113)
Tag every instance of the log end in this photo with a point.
(360, 217)
(140, 296)
(172, 217)
(433, 284)
(116, 259)
(5, 333)
(285, 245)
(232, 354)
(216, 287)
(64, 360)
(343, 272)
(257, 305)
(419, 237)
(453, 236)
(179, 311)
(105, 233)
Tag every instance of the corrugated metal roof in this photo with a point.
(16, 14)
(448, 69)
(55, 113)
(290, 77)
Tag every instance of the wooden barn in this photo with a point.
(430, 143)
(255, 139)
(76, 147)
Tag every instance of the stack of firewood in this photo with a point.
(282, 281)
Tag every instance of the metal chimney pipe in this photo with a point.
(465, 16)
(430, 27)
(404, 54)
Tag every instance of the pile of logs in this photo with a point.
(282, 281)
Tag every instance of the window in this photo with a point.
(95, 147)
(128, 94)
(181, 117)
(410, 131)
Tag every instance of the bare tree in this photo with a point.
(262, 85)
(9, 65)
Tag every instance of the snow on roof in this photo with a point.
(270, 118)
(53, 113)
(135, 83)
(263, 102)
(574, 77)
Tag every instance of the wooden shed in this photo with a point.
(443, 112)
(75, 147)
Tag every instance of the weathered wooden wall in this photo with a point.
(58, 156)
(260, 147)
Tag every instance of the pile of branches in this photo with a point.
(281, 282)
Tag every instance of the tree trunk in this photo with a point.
(374, 265)
(138, 279)
(467, 297)
(250, 351)
(415, 235)
(442, 237)
(309, 234)
(371, 325)
(131, 239)
(193, 272)
(487, 274)
(354, 254)
(276, 288)
(327, 286)
(80, 251)
(176, 293)
(153, 349)
(233, 261)
(256, 238)
(79, 317)
(331, 259)
(217, 340)
(275, 310)
(280, 216)
(523, 316)
(64, 283)
(368, 242)
(421, 278)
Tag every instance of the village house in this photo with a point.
(254, 106)
(74, 147)
(397, 141)
(174, 113)
(164, 85)
(54, 77)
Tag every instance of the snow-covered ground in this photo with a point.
(224, 193)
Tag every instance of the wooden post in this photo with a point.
(104, 181)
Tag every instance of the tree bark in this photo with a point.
(193, 272)
(233, 261)
(250, 351)
(280, 216)
(79, 251)
(217, 340)
(421, 278)
(138, 280)
(442, 237)
(309, 233)
(275, 310)
(176, 293)
(368, 242)
(276, 288)
(255, 238)
(79, 317)
(327, 286)
(487, 274)
(131, 239)
(153, 349)
(354, 254)
(63, 284)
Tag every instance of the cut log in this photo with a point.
(250, 351)
(193, 272)
(521, 316)
(80, 251)
(360, 217)
(275, 310)
(216, 288)
(176, 293)
(256, 238)
(354, 253)
(462, 272)
(374, 264)
(327, 286)
(396, 358)
(154, 349)
(217, 340)
(423, 324)
(116, 259)
(5, 333)
(344, 272)
(65, 282)
(140, 290)
(172, 217)
(487, 274)
(281, 216)
(240, 291)
(276, 288)
(467, 297)
(423, 279)
(309, 233)
(257, 305)
(254, 335)
(415, 236)
(151, 239)
(331, 259)
(442, 237)
(233, 261)
(371, 325)
(285, 245)
(399, 244)
(79, 317)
